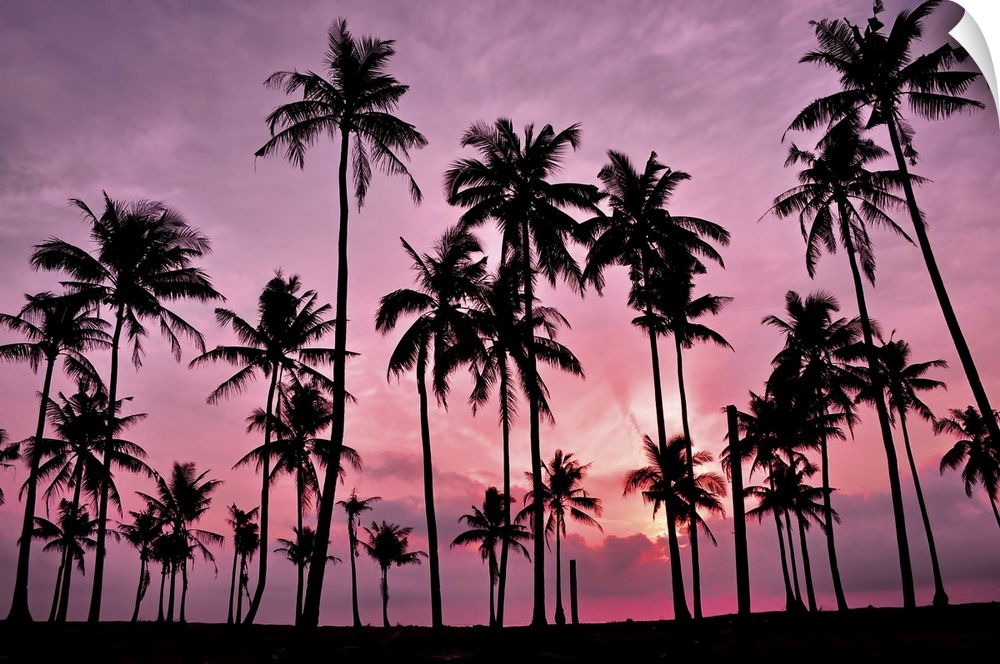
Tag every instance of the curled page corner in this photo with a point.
(976, 32)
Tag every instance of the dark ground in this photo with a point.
(966, 633)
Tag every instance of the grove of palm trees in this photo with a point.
(430, 315)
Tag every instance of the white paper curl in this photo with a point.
(979, 33)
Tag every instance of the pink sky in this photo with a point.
(164, 101)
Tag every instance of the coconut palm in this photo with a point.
(488, 527)
(977, 453)
(299, 552)
(144, 258)
(444, 334)
(563, 494)
(510, 185)
(71, 536)
(354, 507)
(246, 542)
(54, 327)
(288, 323)
(9, 453)
(356, 99)
(141, 534)
(879, 72)
(388, 544)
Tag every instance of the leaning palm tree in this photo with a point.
(71, 536)
(144, 258)
(443, 334)
(977, 453)
(879, 72)
(54, 327)
(357, 98)
(563, 494)
(298, 551)
(288, 322)
(142, 534)
(488, 527)
(510, 185)
(388, 544)
(354, 507)
(246, 541)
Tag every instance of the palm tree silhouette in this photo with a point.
(443, 332)
(510, 185)
(141, 534)
(288, 322)
(354, 507)
(9, 453)
(145, 255)
(563, 494)
(356, 99)
(902, 381)
(246, 542)
(878, 71)
(978, 451)
(55, 327)
(488, 527)
(71, 536)
(388, 544)
(298, 551)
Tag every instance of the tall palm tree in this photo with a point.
(288, 322)
(388, 544)
(902, 381)
(978, 451)
(355, 507)
(510, 185)
(298, 551)
(145, 253)
(142, 534)
(356, 99)
(246, 542)
(71, 536)
(562, 494)
(488, 527)
(54, 327)
(837, 179)
(879, 72)
(444, 333)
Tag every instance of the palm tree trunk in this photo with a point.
(96, 594)
(878, 394)
(951, 320)
(538, 526)
(791, 558)
(265, 500)
(505, 429)
(140, 591)
(59, 581)
(67, 571)
(184, 590)
(317, 565)
(244, 578)
(940, 596)
(163, 582)
(789, 597)
(432, 540)
(384, 587)
(19, 611)
(806, 567)
(353, 541)
(232, 584)
(831, 547)
(996, 513)
(693, 516)
(173, 586)
(560, 614)
(493, 581)
(300, 565)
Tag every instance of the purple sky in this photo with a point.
(164, 101)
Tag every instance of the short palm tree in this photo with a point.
(71, 536)
(443, 334)
(977, 453)
(145, 253)
(289, 321)
(563, 494)
(246, 542)
(357, 99)
(388, 544)
(489, 526)
(355, 507)
(141, 535)
(8, 453)
(298, 551)
(510, 184)
(55, 327)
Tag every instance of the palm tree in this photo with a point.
(510, 185)
(562, 494)
(354, 507)
(902, 381)
(71, 536)
(878, 71)
(388, 544)
(9, 453)
(835, 179)
(978, 451)
(180, 502)
(287, 323)
(145, 255)
(299, 552)
(356, 99)
(54, 326)
(141, 534)
(246, 541)
(488, 527)
(443, 332)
